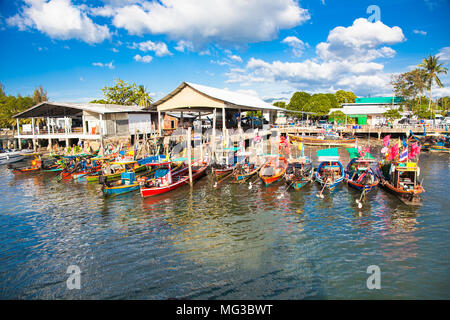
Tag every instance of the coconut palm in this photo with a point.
(433, 68)
(143, 96)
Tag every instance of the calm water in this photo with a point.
(228, 243)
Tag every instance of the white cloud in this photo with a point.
(202, 21)
(235, 58)
(344, 61)
(444, 54)
(183, 45)
(297, 45)
(114, 50)
(441, 92)
(160, 48)
(360, 41)
(103, 65)
(59, 19)
(144, 59)
(424, 33)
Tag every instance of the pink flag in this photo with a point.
(415, 150)
(393, 152)
(386, 140)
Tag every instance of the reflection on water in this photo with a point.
(229, 243)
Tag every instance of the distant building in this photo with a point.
(369, 111)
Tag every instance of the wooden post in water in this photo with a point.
(213, 148)
(188, 141)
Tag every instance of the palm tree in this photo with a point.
(433, 68)
(144, 96)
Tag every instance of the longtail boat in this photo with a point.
(359, 175)
(330, 172)
(273, 170)
(166, 180)
(36, 164)
(245, 171)
(324, 140)
(227, 162)
(440, 146)
(126, 184)
(299, 172)
(401, 179)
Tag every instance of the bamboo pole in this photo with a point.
(188, 141)
(213, 151)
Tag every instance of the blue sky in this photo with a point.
(265, 47)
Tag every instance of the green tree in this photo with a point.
(125, 94)
(345, 96)
(392, 114)
(337, 116)
(433, 68)
(319, 104)
(39, 95)
(298, 102)
(410, 85)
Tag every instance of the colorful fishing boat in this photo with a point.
(359, 175)
(222, 170)
(273, 170)
(245, 171)
(330, 140)
(126, 184)
(299, 172)
(402, 180)
(35, 164)
(139, 168)
(166, 180)
(330, 172)
(440, 146)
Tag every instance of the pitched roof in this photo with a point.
(230, 99)
(52, 109)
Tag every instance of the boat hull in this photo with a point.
(269, 179)
(335, 182)
(154, 191)
(321, 142)
(118, 190)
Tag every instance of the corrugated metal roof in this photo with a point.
(234, 99)
(42, 109)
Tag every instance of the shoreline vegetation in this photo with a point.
(411, 86)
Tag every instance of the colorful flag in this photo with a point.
(403, 155)
(393, 152)
(404, 142)
(386, 140)
(415, 150)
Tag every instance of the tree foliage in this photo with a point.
(124, 93)
(298, 102)
(39, 95)
(392, 114)
(433, 68)
(338, 116)
(345, 96)
(11, 105)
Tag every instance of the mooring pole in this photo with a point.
(188, 141)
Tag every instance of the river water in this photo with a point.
(224, 243)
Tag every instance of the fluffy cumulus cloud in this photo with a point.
(360, 41)
(297, 45)
(159, 48)
(344, 61)
(144, 59)
(183, 45)
(201, 21)
(59, 19)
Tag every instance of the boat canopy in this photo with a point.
(330, 154)
(354, 153)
